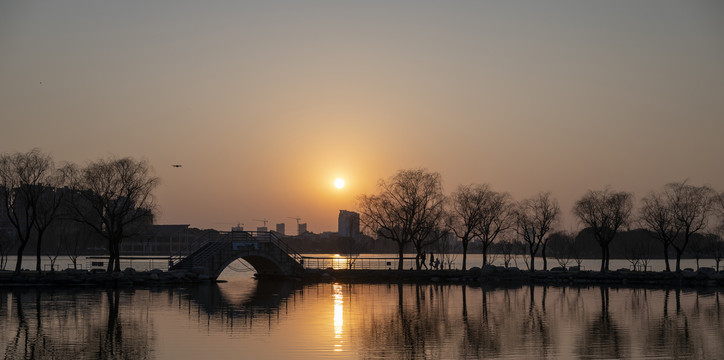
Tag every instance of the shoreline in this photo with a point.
(488, 275)
(500, 276)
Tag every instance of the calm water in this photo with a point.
(247, 319)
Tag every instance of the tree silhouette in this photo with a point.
(690, 209)
(408, 207)
(535, 218)
(497, 217)
(465, 215)
(656, 216)
(114, 197)
(604, 212)
(24, 180)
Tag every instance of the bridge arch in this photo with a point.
(268, 255)
(262, 264)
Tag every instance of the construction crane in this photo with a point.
(263, 220)
(295, 218)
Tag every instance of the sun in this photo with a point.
(339, 183)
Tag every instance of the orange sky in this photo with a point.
(266, 103)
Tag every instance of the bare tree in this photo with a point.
(535, 218)
(604, 212)
(701, 246)
(657, 217)
(6, 242)
(577, 250)
(48, 208)
(69, 239)
(465, 215)
(447, 248)
(507, 249)
(52, 252)
(23, 183)
(405, 208)
(690, 206)
(497, 217)
(637, 251)
(114, 198)
(561, 245)
(717, 248)
(350, 249)
(430, 232)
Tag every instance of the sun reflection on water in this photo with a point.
(338, 317)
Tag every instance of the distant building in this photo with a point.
(348, 224)
(301, 228)
(262, 229)
(166, 240)
(281, 228)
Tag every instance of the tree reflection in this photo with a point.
(602, 337)
(418, 321)
(44, 329)
(534, 329)
(480, 339)
(670, 335)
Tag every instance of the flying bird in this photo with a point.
(176, 165)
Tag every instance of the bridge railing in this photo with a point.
(229, 236)
(358, 263)
(195, 245)
(268, 236)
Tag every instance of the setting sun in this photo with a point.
(339, 183)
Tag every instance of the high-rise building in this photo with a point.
(280, 228)
(348, 224)
(301, 228)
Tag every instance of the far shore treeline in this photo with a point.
(71, 210)
(411, 209)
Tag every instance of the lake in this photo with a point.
(243, 318)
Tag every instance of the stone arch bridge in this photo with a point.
(264, 251)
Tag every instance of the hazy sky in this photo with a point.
(265, 103)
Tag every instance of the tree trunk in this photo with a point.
(19, 263)
(400, 247)
(532, 258)
(485, 255)
(111, 256)
(465, 253)
(37, 251)
(117, 262)
(603, 258)
(678, 260)
(666, 257)
(545, 261)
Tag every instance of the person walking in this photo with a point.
(432, 260)
(422, 257)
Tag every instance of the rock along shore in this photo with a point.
(488, 275)
(498, 275)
